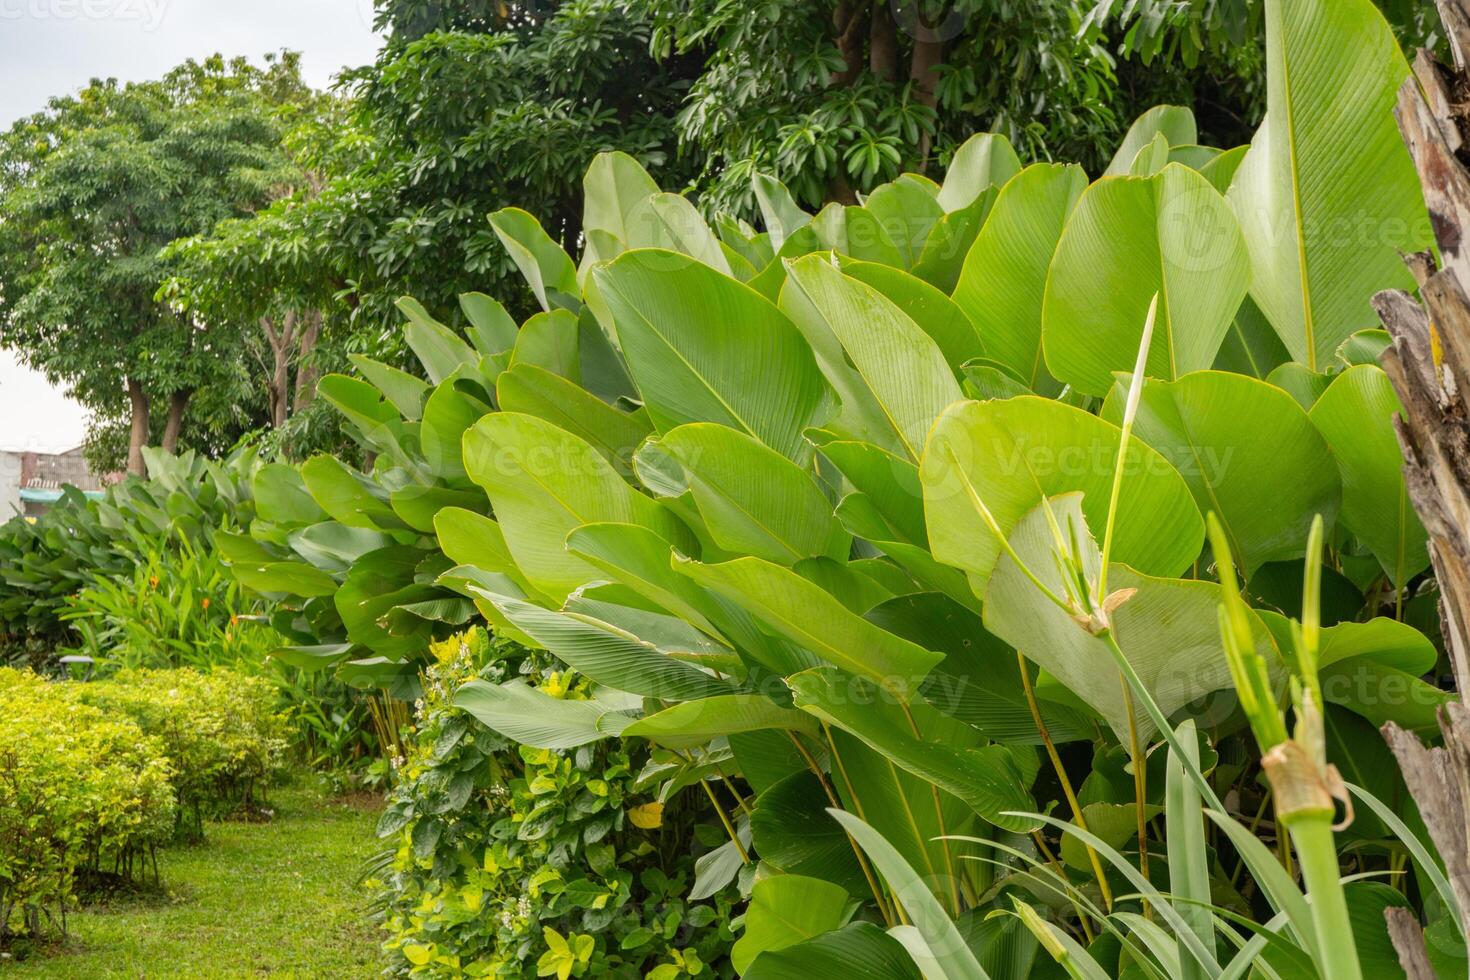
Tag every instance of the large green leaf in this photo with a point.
(349, 496)
(934, 312)
(809, 616)
(780, 212)
(545, 264)
(1006, 455)
(1327, 196)
(786, 910)
(985, 159)
(754, 500)
(439, 349)
(1174, 123)
(979, 680)
(904, 807)
(918, 738)
(281, 496)
(896, 368)
(1355, 416)
(791, 828)
(1247, 451)
(544, 483)
(402, 389)
(1169, 630)
(447, 414)
(677, 225)
(1004, 278)
(704, 348)
(531, 717)
(532, 390)
(694, 723)
(1129, 239)
(857, 950)
(614, 190)
(608, 655)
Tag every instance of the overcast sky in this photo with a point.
(51, 47)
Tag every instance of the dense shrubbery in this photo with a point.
(94, 775)
(219, 730)
(81, 791)
(512, 861)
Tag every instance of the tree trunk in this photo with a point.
(1429, 365)
(924, 74)
(847, 23)
(279, 385)
(177, 402)
(883, 43)
(138, 434)
(306, 370)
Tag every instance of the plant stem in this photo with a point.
(877, 890)
(1160, 722)
(1067, 790)
(724, 819)
(954, 881)
(1140, 781)
(1315, 845)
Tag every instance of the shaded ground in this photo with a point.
(276, 899)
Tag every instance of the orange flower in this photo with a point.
(204, 603)
(234, 620)
(153, 582)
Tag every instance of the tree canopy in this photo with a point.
(92, 188)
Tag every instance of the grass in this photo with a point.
(276, 899)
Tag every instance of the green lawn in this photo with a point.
(276, 899)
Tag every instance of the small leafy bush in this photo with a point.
(515, 861)
(219, 730)
(81, 793)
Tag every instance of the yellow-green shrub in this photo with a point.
(219, 730)
(79, 791)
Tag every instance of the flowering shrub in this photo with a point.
(514, 861)
(219, 730)
(80, 792)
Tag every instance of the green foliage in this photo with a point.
(515, 861)
(92, 189)
(854, 513)
(219, 730)
(179, 608)
(82, 792)
(133, 569)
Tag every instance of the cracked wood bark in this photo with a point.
(1429, 365)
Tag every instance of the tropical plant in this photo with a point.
(508, 860)
(899, 510)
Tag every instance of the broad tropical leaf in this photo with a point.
(704, 348)
(1129, 239)
(1327, 197)
(1005, 456)
(1247, 451)
(1004, 278)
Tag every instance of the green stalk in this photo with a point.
(1160, 722)
(1317, 849)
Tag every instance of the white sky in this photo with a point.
(53, 47)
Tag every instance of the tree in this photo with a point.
(470, 108)
(92, 189)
